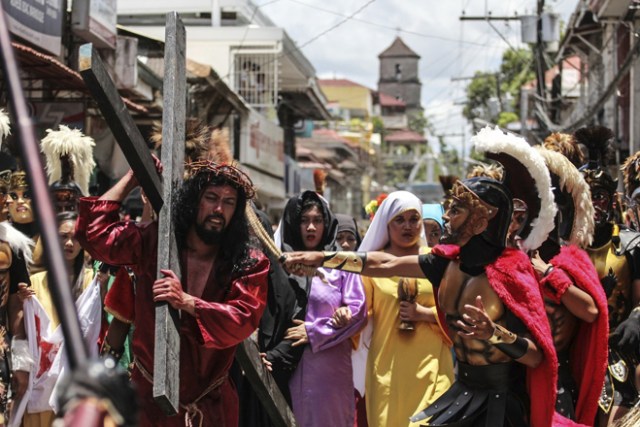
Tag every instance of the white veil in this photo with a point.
(377, 236)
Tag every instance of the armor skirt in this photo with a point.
(481, 397)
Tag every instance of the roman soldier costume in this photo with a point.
(617, 261)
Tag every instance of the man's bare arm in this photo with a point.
(375, 264)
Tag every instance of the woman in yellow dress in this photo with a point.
(406, 370)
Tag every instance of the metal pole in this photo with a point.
(43, 205)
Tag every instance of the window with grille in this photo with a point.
(256, 78)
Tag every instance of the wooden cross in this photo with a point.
(166, 384)
(166, 363)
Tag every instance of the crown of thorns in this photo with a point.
(229, 172)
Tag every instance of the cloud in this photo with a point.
(449, 48)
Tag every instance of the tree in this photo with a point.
(487, 92)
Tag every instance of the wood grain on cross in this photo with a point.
(166, 363)
(167, 344)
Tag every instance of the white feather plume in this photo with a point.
(18, 242)
(5, 128)
(572, 181)
(79, 148)
(496, 141)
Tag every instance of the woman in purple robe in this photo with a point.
(322, 384)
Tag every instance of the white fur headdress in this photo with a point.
(5, 128)
(572, 182)
(18, 242)
(69, 156)
(522, 164)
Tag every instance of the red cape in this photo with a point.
(512, 277)
(589, 350)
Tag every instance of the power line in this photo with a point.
(333, 27)
(387, 27)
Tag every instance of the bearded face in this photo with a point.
(457, 224)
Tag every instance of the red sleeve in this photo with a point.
(555, 284)
(101, 233)
(225, 324)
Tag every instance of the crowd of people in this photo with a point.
(514, 302)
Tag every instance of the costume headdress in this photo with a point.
(565, 144)
(631, 173)
(486, 199)
(573, 199)
(196, 142)
(492, 171)
(527, 178)
(69, 156)
(5, 128)
(18, 181)
(597, 139)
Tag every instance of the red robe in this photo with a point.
(513, 279)
(208, 340)
(588, 355)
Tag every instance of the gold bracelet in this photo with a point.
(502, 335)
(352, 262)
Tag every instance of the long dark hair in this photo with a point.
(234, 253)
(78, 263)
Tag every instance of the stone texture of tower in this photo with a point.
(399, 75)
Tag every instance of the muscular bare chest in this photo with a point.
(458, 289)
(563, 324)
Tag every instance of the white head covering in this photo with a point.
(398, 202)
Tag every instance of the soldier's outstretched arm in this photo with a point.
(375, 264)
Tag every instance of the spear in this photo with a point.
(45, 214)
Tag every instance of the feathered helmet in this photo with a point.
(208, 152)
(597, 139)
(575, 223)
(69, 157)
(487, 199)
(527, 179)
(565, 144)
(196, 142)
(631, 173)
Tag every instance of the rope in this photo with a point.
(191, 409)
(270, 245)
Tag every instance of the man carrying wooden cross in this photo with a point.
(222, 294)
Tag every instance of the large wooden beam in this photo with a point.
(263, 384)
(120, 122)
(166, 363)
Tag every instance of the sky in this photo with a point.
(342, 39)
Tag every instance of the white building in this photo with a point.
(259, 62)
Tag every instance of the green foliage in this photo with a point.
(516, 69)
(505, 117)
(418, 123)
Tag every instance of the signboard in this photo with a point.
(95, 21)
(48, 115)
(37, 21)
(262, 146)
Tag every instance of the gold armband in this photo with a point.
(502, 336)
(352, 262)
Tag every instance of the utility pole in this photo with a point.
(540, 62)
